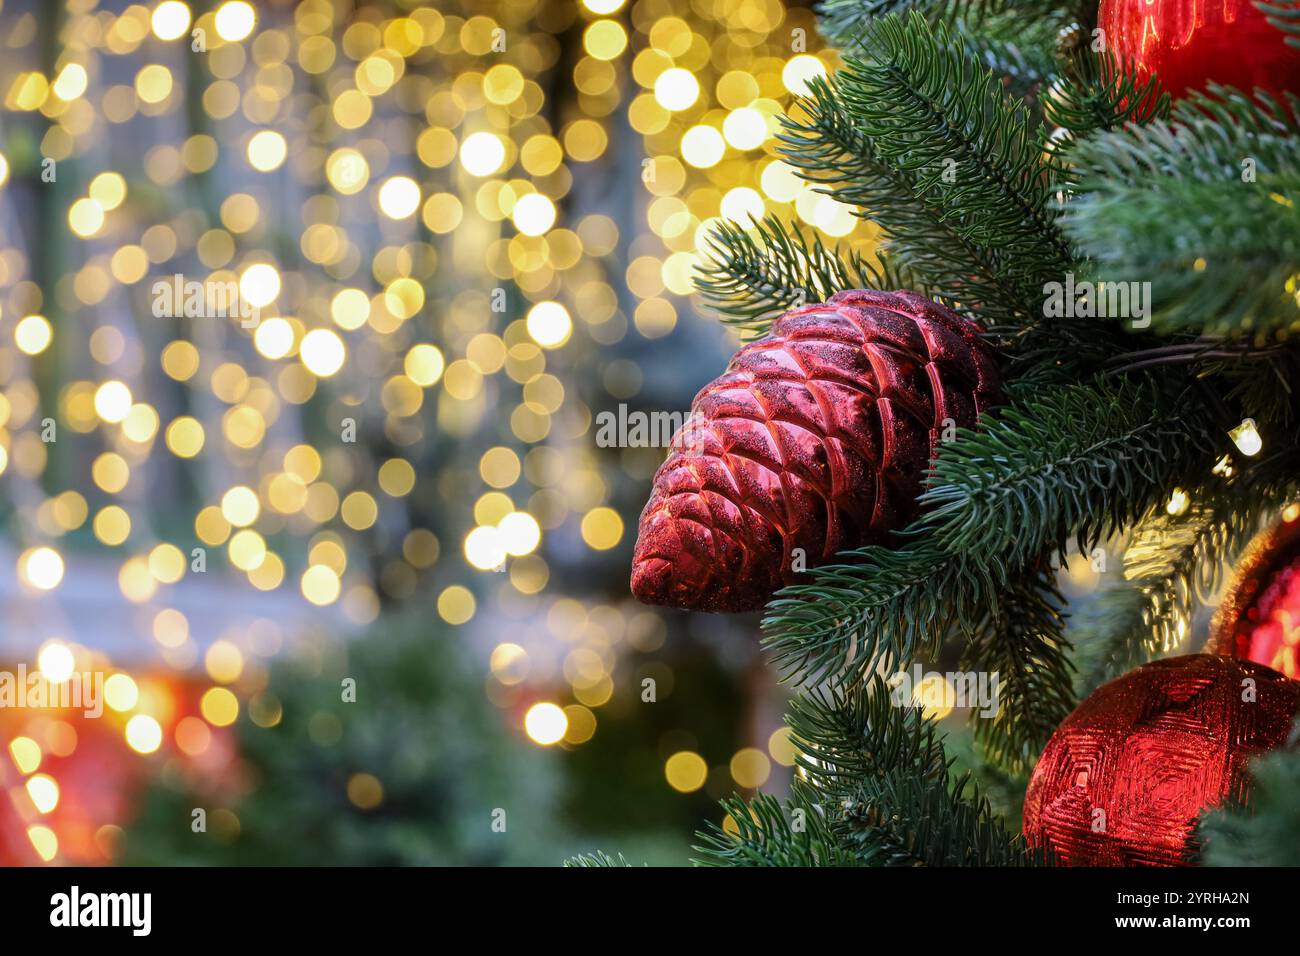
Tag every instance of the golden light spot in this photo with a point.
(1246, 437)
(582, 724)
(545, 724)
(519, 533)
(799, 71)
(273, 337)
(259, 284)
(25, 753)
(347, 170)
(686, 771)
(484, 548)
(482, 153)
(1178, 502)
(365, 791)
(509, 663)
(112, 525)
(750, 768)
(605, 39)
(533, 214)
(56, 662)
(33, 334)
(224, 662)
(676, 89)
(153, 83)
(456, 604)
(247, 550)
(44, 841)
(350, 309)
(143, 734)
(235, 20)
(219, 707)
(399, 197)
(44, 792)
(85, 217)
(184, 437)
(71, 82)
(41, 567)
(167, 563)
(703, 146)
(267, 151)
(121, 692)
(323, 352)
(424, 364)
(602, 528)
(549, 325)
(170, 20)
(404, 297)
(240, 506)
(320, 585)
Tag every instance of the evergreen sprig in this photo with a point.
(877, 791)
(1022, 640)
(842, 21)
(1095, 93)
(1285, 17)
(931, 109)
(821, 140)
(1077, 461)
(753, 276)
(1202, 207)
(923, 139)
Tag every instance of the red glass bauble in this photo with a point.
(1188, 43)
(1125, 777)
(1259, 617)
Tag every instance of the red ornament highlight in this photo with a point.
(1188, 43)
(1259, 617)
(1125, 777)
(815, 440)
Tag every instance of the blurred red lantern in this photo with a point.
(68, 780)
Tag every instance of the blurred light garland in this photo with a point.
(307, 287)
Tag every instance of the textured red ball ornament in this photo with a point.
(1188, 43)
(1259, 618)
(816, 439)
(1125, 777)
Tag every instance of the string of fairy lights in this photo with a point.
(388, 195)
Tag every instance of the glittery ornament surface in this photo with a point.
(814, 440)
(1259, 617)
(1125, 777)
(1187, 43)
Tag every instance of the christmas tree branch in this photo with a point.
(767, 836)
(932, 110)
(877, 791)
(1201, 207)
(842, 21)
(1022, 641)
(821, 140)
(1076, 461)
(888, 607)
(753, 276)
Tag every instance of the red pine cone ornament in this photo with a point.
(816, 439)
(1259, 617)
(1125, 777)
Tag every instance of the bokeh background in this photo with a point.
(355, 573)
